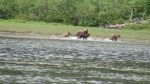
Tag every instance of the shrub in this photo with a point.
(120, 21)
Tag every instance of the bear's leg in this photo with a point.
(115, 39)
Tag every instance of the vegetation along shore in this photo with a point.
(129, 18)
(44, 28)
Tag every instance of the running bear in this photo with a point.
(82, 34)
(114, 37)
(66, 34)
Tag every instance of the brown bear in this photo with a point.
(66, 34)
(85, 31)
(114, 37)
(82, 34)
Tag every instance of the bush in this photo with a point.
(75, 12)
(8, 9)
(120, 21)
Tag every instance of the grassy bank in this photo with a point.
(15, 26)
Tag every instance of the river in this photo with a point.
(54, 61)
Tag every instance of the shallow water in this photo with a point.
(46, 61)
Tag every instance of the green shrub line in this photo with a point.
(88, 13)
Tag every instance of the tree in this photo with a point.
(76, 12)
(8, 9)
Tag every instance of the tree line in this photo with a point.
(76, 12)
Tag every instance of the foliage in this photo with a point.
(75, 12)
(8, 9)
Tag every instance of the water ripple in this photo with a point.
(68, 61)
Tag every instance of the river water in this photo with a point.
(54, 61)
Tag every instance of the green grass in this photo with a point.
(45, 28)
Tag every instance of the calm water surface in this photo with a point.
(39, 61)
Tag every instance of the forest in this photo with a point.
(89, 13)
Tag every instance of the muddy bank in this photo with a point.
(45, 36)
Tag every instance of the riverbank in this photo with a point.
(55, 30)
(59, 37)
